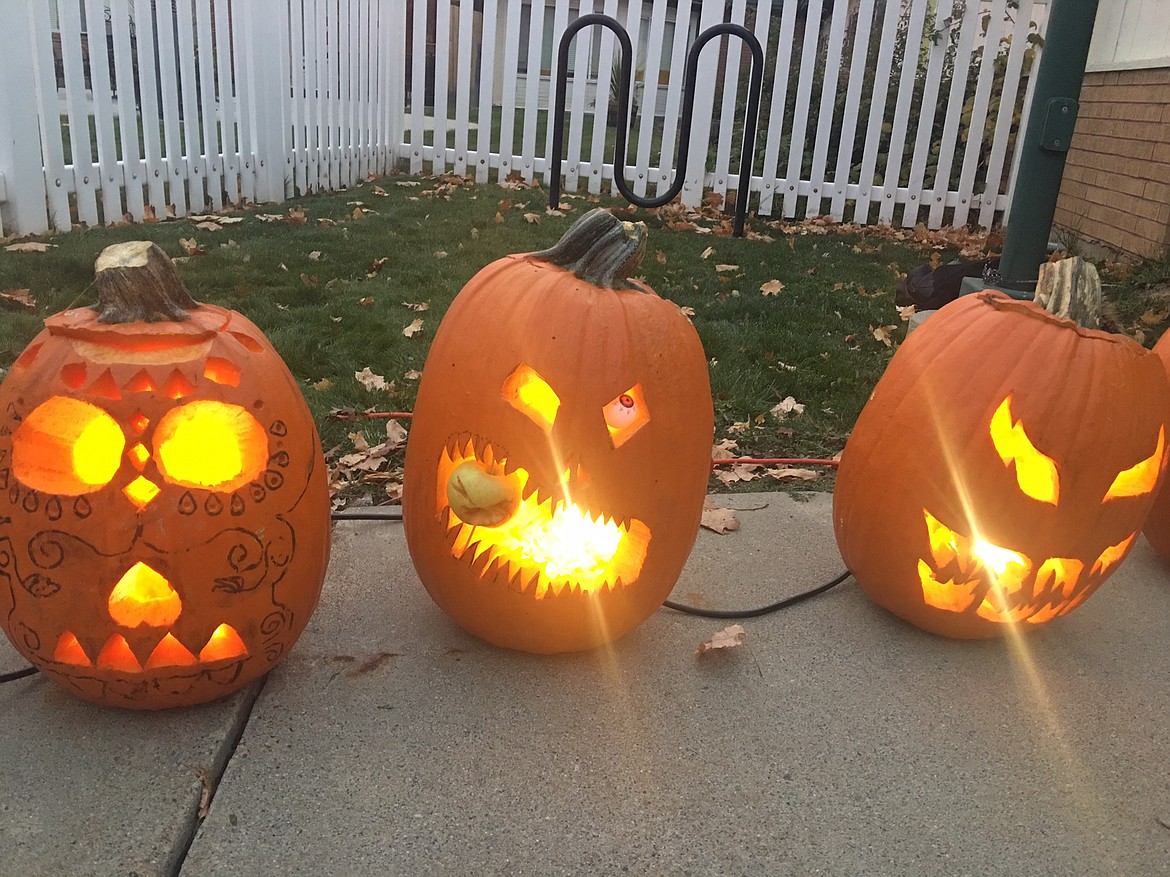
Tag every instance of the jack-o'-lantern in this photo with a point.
(1157, 528)
(164, 514)
(560, 447)
(1002, 468)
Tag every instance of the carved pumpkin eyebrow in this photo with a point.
(1036, 473)
(1140, 478)
(529, 393)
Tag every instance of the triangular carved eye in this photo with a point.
(1139, 479)
(1036, 473)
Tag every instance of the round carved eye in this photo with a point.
(68, 447)
(210, 445)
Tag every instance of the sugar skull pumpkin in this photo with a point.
(560, 447)
(1002, 468)
(164, 514)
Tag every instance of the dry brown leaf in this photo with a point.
(717, 519)
(707, 253)
(787, 405)
(366, 301)
(532, 217)
(296, 214)
(1152, 317)
(315, 256)
(371, 381)
(440, 254)
(323, 384)
(209, 225)
(191, 247)
(413, 329)
(884, 334)
(412, 375)
(724, 269)
(728, 638)
(417, 305)
(771, 287)
(308, 279)
(790, 474)
(22, 298)
(660, 257)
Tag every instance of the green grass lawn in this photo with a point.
(334, 293)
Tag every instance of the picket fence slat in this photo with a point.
(870, 109)
(58, 185)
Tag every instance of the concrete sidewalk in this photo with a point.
(837, 740)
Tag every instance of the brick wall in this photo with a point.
(1116, 189)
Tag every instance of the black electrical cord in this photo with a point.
(762, 610)
(382, 513)
(17, 674)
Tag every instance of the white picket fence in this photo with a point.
(875, 110)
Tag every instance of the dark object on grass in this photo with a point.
(930, 288)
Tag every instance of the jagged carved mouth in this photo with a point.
(530, 535)
(1003, 585)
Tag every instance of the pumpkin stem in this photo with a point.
(600, 249)
(1071, 288)
(136, 280)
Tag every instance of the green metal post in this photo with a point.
(1046, 142)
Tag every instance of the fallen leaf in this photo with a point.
(884, 334)
(718, 520)
(366, 301)
(370, 381)
(723, 269)
(20, 297)
(417, 306)
(441, 254)
(532, 217)
(413, 329)
(787, 405)
(728, 638)
(906, 313)
(323, 384)
(191, 247)
(412, 375)
(315, 256)
(660, 257)
(1152, 317)
(296, 214)
(208, 225)
(790, 474)
(707, 253)
(771, 287)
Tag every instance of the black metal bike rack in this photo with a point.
(688, 106)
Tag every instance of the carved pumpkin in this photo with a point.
(164, 514)
(560, 447)
(1002, 468)
(1157, 528)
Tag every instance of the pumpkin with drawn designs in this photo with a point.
(560, 446)
(164, 514)
(1002, 469)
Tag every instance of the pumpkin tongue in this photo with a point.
(600, 249)
(137, 281)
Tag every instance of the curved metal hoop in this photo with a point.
(688, 95)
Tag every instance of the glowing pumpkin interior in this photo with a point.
(965, 571)
(537, 539)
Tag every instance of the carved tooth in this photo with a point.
(462, 540)
(480, 548)
(541, 586)
(527, 574)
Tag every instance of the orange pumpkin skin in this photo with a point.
(250, 554)
(1157, 528)
(593, 347)
(946, 508)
